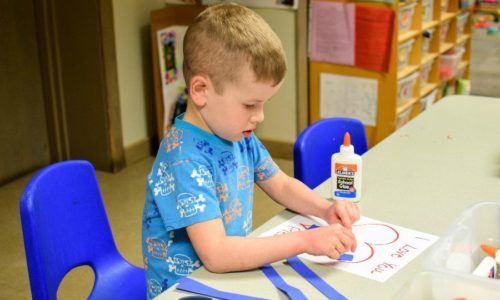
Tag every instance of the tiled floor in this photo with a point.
(123, 194)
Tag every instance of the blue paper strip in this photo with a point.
(292, 292)
(193, 286)
(314, 279)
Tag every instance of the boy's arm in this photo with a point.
(296, 196)
(221, 253)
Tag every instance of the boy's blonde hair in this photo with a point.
(223, 37)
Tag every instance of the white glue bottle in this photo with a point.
(346, 173)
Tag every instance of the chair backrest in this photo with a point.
(65, 226)
(314, 147)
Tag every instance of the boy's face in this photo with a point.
(237, 112)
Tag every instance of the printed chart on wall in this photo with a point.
(347, 96)
(170, 42)
(383, 249)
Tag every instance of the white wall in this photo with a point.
(131, 20)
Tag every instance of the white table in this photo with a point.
(421, 177)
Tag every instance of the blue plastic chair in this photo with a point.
(65, 226)
(314, 147)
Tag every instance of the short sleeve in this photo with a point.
(184, 192)
(265, 167)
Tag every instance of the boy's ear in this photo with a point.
(198, 89)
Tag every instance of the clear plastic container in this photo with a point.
(427, 100)
(403, 117)
(449, 63)
(404, 51)
(427, 10)
(479, 224)
(424, 72)
(461, 20)
(426, 40)
(406, 16)
(440, 286)
(406, 86)
(444, 31)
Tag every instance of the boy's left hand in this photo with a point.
(342, 211)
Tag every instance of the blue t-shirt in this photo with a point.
(196, 177)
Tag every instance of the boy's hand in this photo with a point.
(342, 211)
(331, 240)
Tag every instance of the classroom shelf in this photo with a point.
(389, 112)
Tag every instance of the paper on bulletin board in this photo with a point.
(348, 96)
(331, 32)
(382, 248)
(170, 41)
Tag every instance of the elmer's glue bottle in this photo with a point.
(346, 173)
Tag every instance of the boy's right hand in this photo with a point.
(331, 240)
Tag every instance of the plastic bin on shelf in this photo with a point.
(427, 10)
(461, 20)
(404, 50)
(458, 251)
(449, 63)
(427, 100)
(440, 286)
(460, 72)
(406, 16)
(424, 72)
(444, 6)
(403, 117)
(406, 86)
(426, 40)
(444, 31)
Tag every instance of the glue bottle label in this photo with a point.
(344, 180)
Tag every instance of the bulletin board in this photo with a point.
(161, 19)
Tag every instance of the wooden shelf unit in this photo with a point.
(387, 107)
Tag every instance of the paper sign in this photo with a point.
(332, 32)
(347, 96)
(383, 248)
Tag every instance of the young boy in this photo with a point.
(199, 200)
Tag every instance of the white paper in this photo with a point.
(383, 249)
(347, 96)
(172, 80)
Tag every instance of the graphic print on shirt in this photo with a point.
(205, 147)
(182, 265)
(247, 224)
(173, 139)
(189, 205)
(233, 211)
(165, 183)
(203, 176)
(154, 288)
(244, 146)
(157, 248)
(222, 191)
(149, 215)
(227, 162)
(265, 169)
(244, 179)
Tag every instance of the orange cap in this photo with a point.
(347, 139)
(489, 250)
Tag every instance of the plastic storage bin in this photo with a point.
(404, 51)
(460, 72)
(476, 225)
(461, 20)
(426, 40)
(403, 117)
(427, 10)
(406, 16)
(406, 86)
(427, 100)
(440, 286)
(449, 63)
(444, 31)
(444, 6)
(424, 72)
